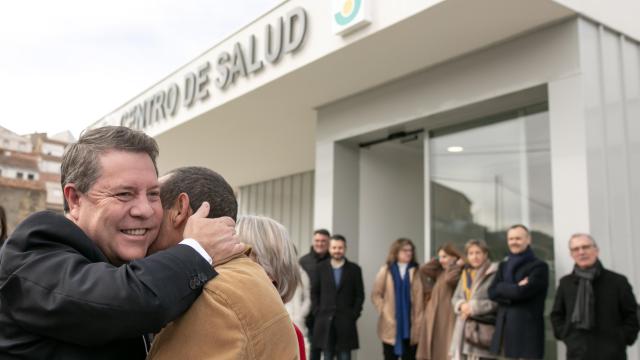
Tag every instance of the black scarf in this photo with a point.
(514, 261)
(584, 310)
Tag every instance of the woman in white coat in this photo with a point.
(300, 305)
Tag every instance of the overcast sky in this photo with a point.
(64, 64)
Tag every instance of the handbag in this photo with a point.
(478, 330)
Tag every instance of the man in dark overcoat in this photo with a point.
(319, 252)
(520, 288)
(594, 312)
(337, 296)
(77, 286)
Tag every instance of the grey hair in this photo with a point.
(81, 160)
(274, 251)
(588, 236)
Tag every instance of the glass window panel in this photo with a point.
(489, 177)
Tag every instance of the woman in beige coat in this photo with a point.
(471, 298)
(397, 296)
(440, 277)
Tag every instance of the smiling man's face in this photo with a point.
(121, 212)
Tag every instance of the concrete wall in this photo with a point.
(611, 83)
(621, 15)
(595, 130)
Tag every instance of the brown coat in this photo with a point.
(239, 315)
(383, 298)
(438, 319)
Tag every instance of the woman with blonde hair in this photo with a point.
(397, 296)
(273, 250)
(277, 254)
(439, 279)
(472, 305)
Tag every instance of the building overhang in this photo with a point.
(263, 125)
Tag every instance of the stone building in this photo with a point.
(30, 173)
(20, 198)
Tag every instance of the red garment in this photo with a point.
(303, 355)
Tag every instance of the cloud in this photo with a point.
(67, 63)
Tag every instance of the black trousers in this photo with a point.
(408, 354)
(316, 354)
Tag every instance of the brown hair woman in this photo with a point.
(397, 296)
(439, 278)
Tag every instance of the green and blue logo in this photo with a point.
(349, 11)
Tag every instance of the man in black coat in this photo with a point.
(594, 312)
(520, 288)
(77, 286)
(319, 252)
(337, 295)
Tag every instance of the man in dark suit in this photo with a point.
(319, 252)
(77, 286)
(520, 288)
(595, 310)
(337, 295)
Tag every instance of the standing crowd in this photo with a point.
(464, 306)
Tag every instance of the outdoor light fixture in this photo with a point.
(455, 149)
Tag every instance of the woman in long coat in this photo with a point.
(440, 277)
(471, 298)
(399, 320)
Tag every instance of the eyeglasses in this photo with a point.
(575, 250)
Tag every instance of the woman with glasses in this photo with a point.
(397, 296)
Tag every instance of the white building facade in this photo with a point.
(434, 120)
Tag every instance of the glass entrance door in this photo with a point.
(489, 175)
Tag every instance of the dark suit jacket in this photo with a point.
(616, 322)
(341, 305)
(61, 299)
(309, 263)
(520, 318)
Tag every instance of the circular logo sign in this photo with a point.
(349, 11)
